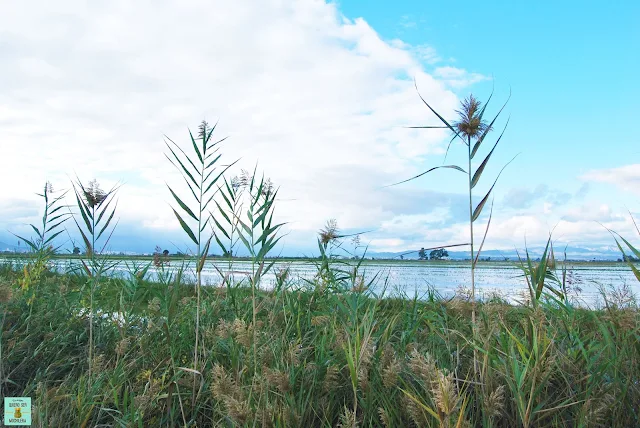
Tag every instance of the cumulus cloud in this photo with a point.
(19, 210)
(522, 197)
(310, 94)
(625, 177)
(458, 77)
(318, 99)
(591, 212)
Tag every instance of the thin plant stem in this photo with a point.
(473, 265)
(198, 280)
(91, 288)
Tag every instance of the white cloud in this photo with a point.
(458, 77)
(319, 100)
(298, 87)
(626, 177)
(427, 54)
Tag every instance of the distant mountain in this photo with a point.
(573, 253)
(602, 252)
(8, 247)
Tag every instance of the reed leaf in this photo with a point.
(32, 245)
(476, 146)
(486, 231)
(478, 210)
(478, 173)
(186, 227)
(186, 156)
(182, 204)
(442, 119)
(195, 147)
(84, 212)
(428, 171)
(186, 171)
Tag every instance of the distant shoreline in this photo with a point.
(461, 262)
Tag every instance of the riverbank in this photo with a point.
(319, 357)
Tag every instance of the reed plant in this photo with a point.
(259, 234)
(96, 213)
(42, 246)
(471, 129)
(201, 172)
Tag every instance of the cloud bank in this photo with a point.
(316, 99)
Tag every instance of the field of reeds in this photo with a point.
(322, 357)
(95, 350)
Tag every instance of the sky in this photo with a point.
(318, 95)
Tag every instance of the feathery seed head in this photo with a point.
(444, 392)
(470, 124)
(330, 232)
(93, 194)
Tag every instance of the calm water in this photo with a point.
(446, 278)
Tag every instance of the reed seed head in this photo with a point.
(154, 305)
(348, 419)
(93, 194)
(415, 411)
(320, 320)
(444, 392)
(123, 346)
(222, 384)
(470, 125)
(330, 379)
(494, 403)
(330, 232)
(390, 373)
(384, 418)
(423, 367)
(278, 379)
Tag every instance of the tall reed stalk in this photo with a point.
(227, 224)
(42, 245)
(259, 235)
(471, 129)
(201, 171)
(97, 214)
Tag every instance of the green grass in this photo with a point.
(322, 358)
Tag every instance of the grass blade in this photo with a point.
(485, 234)
(33, 246)
(85, 215)
(436, 113)
(195, 147)
(182, 204)
(478, 209)
(427, 171)
(476, 146)
(185, 227)
(478, 173)
(107, 223)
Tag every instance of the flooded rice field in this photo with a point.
(584, 280)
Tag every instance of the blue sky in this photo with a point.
(318, 94)
(572, 67)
